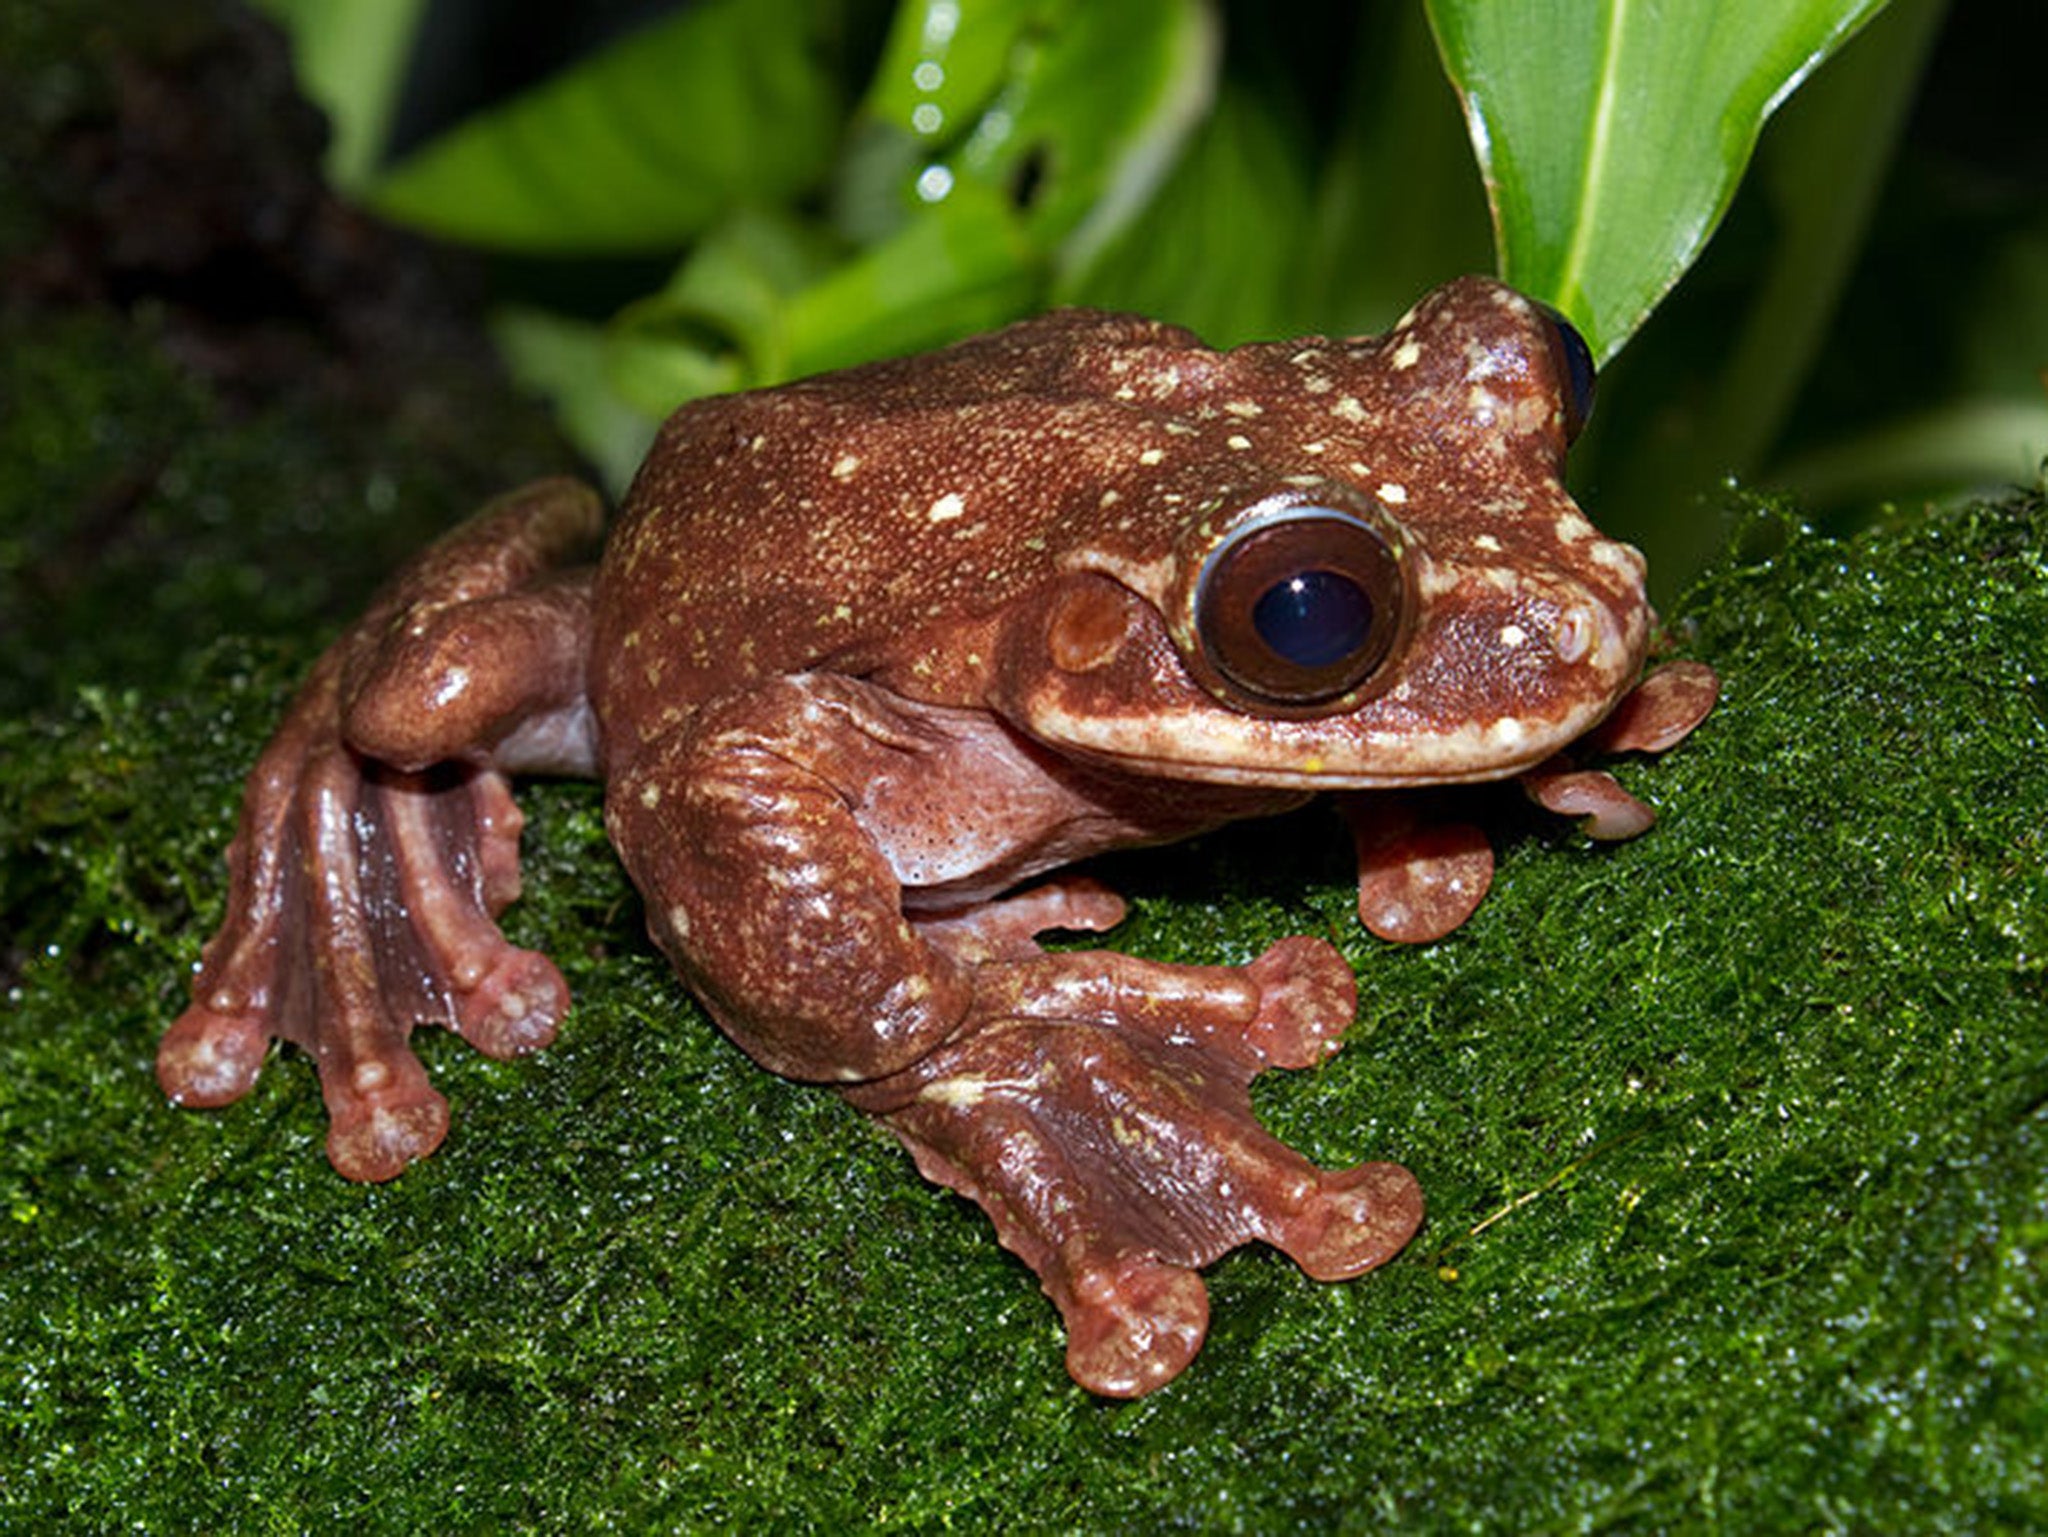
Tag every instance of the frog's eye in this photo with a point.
(1303, 609)
(1574, 371)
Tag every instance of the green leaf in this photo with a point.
(350, 59)
(1205, 255)
(1612, 133)
(1072, 112)
(961, 267)
(569, 362)
(987, 157)
(639, 147)
(1399, 207)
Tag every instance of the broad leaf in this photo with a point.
(351, 60)
(639, 147)
(1070, 111)
(1612, 133)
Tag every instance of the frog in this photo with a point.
(869, 661)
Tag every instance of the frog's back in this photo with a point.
(808, 525)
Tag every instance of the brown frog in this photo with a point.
(868, 652)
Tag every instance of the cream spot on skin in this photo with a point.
(650, 796)
(1487, 543)
(1237, 442)
(679, 922)
(1348, 409)
(1501, 578)
(1407, 355)
(1434, 581)
(1623, 558)
(1483, 404)
(1393, 493)
(1571, 526)
(1506, 733)
(1512, 635)
(453, 685)
(1314, 448)
(1150, 579)
(1480, 362)
(1244, 408)
(845, 466)
(1152, 456)
(962, 1092)
(947, 508)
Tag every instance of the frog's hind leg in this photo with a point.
(379, 840)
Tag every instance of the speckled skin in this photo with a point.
(868, 652)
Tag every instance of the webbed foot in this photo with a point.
(379, 840)
(1099, 1111)
(362, 901)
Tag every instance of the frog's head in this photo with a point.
(1364, 569)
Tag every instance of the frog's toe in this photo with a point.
(1352, 1221)
(1605, 810)
(1418, 881)
(382, 1113)
(1133, 1326)
(515, 1008)
(375, 1138)
(210, 1057)
(1307, 997)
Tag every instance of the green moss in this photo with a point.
(1733, 1136)
(136, 509)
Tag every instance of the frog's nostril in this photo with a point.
(1576, 631)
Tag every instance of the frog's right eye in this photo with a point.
(1302, 610)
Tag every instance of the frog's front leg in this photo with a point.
(379, 840)
(1096, 1106)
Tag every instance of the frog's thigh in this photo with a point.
(740, 830)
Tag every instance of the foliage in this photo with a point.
(855, 182)
(1612, 135)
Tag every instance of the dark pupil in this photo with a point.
(1313, 619)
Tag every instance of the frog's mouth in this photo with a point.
(1215, 745)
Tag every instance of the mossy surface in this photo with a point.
(1734, 1138)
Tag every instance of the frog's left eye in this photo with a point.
(1303, 609)
(1575, 371)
